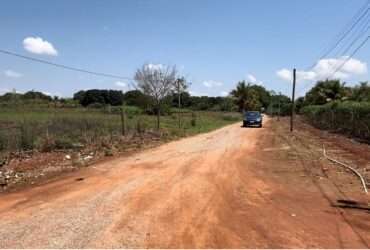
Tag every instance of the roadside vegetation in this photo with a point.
(334, 106)
(41, 135)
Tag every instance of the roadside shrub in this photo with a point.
(231, 117)
(28, 131)
(63, 143)
(132, 111)
(96, 105)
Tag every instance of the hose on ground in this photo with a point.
(348, 167)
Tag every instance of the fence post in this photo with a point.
(123, 122)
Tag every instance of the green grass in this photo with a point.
(50, 128)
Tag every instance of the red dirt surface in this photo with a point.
(231, 188)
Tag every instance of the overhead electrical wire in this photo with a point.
(343, 31)
(346, 33)
(349, 57)
(359, 25)
(64, 66)
(360, 31)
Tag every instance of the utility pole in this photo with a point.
(279, 106)
(293, 103)
(178, 86)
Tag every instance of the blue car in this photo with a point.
(252, 118)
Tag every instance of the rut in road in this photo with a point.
(215, 190)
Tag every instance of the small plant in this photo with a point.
(63, 143)
(27, 137)
(140, 126)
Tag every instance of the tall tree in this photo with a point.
(248, 97)
(326, 91)
(361, 93)
(240, 94)
(156, 81)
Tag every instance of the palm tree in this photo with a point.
(246, 97)
(240, 93)
(326, 91)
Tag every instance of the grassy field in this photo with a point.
(46, 129)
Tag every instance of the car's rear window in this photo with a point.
(252, 114)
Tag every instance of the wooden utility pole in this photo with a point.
(293, 102)
(279, 106)
(179, 93)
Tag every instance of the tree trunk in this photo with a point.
(158, 116)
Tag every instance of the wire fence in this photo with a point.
(351, 118)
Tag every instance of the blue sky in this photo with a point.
(213, 43)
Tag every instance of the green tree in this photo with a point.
(326, 91)
(361, 93)
(248, 97)
(137, 98)
(240, 94)
(252, 101)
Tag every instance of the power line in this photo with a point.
(348, 58)
(355, 40)
(64, 66)
(344, 35)
(328, 49)
(362, 30)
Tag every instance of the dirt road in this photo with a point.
(233, 187)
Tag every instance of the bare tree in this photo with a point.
(156, 81)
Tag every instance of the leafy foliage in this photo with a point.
(325, 91)
(92, 96)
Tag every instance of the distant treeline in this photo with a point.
(245, 96)
(95, 97)
(30, 95)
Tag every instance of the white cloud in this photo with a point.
(349, 66)
(325, 69)
(37, 45)
(284, 74)
(196, 93)
(4, 90)
(252, 79)
(224, 93)
(121, 84)
(212, 84)
(12, 74)
(152, 66)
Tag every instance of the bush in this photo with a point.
(96, 105)
(63, 143)
(231, 117)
